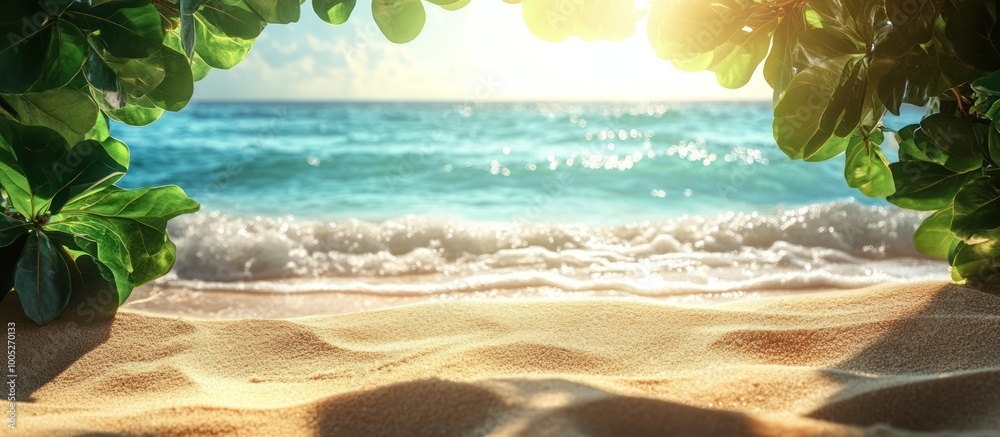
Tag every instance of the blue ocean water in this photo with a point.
(380, 202)
(590, 163)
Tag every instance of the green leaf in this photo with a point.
(976, 262)
(555, 20)
(779, 66)
(831, 149)
(798, 115)
(334, 11)
(23, 57)
(66, 55)
(958, 137)
(926, 186)
(988, 85)
(218, 49)
(40, 172)
(10, 230)
(138, 112)
(934, 237)
(121, 82)
(865, 167)
(129, 29)
(138, 218)
(177, 87)
(399, 20)
(42, 280)
(454, 6)
(912, 24)
(276, 11)
(233, 18)
(188, 34)
(26, 154)
(100, 240)
(973, 32)
(67, 111)
(915, 145)
(95, 295)
(977, 206)
(9, 255)
(682, 30)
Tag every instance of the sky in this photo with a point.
(483, 52)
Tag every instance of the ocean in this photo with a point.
(445, 200)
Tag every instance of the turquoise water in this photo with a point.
(606, 164)
(390, 201)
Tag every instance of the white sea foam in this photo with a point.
(838, 245)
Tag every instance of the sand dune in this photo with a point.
(889, 360)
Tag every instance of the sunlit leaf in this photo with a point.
(865, 167)
(218, 49)
(557, 20)
(934, 237)
(399, 20)
(334, 11)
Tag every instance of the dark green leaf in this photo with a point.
(42, 279)
(188, 33)
(9, 255)
(926, 186)
(129, 29)
(23, 57)
(973, 32)
(41, 172)
(958, 137)
(10, 230)
(95, 296)
(26, 157)
(798, 115)
(174, 93)
(912, 24)
(977, 206)
(66, 55)
(233, 18)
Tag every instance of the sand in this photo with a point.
(888, 360)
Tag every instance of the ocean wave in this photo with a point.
(837, 245)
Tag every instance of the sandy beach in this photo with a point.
(886, 360)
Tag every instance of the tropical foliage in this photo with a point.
(836, 66)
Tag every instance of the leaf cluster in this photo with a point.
(838, 66)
